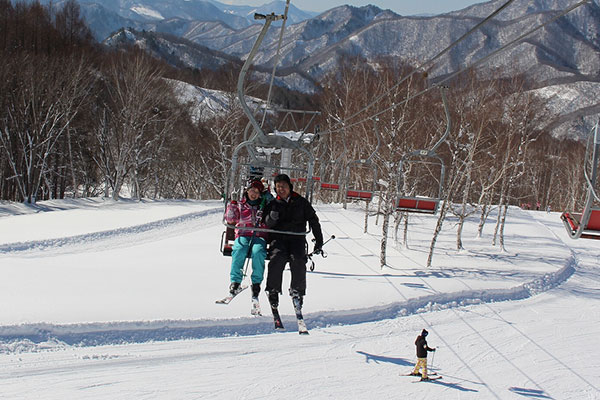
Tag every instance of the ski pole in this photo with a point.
(328, 240)
(324, 255)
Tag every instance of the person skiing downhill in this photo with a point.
(247, 213)
(422, 349)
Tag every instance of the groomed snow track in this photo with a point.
(30, 337)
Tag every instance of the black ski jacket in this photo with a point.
(422, 347)
(293, 216)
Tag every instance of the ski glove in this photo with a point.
(317, 250)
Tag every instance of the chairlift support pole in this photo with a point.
(258, 138)
(269, 18)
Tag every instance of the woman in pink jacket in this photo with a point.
(248, 214)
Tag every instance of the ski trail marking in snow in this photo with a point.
(576, 266)
(423, 318)
(355, 244)
(539, 285)
(14, 339)
(96, 334)
(155, 230)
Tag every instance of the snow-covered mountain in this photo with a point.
(516, 9)
(208, 103)
(174, 49)
(565, 55)
(107, 16)
(295, 14)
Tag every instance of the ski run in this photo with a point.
(116, 300)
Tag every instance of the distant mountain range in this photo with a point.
(107, 16)
(562, 60)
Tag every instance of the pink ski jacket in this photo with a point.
(243, 214)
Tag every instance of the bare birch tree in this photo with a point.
(520, 129)
(48, 94)
(131, 127)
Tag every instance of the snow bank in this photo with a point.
(41, 337)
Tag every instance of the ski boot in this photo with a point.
(255, 304)
(298, 300)
(234, 288)
(274, 299)
(255, 289)
(274, 302)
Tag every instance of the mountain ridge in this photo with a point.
(563, 53)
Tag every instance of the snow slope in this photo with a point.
(103, 299)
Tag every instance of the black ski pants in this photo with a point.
(282, 250)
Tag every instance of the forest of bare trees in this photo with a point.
(495, 155)
(79, 120)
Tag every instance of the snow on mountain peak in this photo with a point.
(147, 12)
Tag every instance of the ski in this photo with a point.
(434, 378)
(418, 374)
(255, 307)
(227, 299)
(277, 320)
(302, 329)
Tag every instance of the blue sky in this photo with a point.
(403, 7)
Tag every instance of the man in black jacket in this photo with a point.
(422, 350)
(289, 212)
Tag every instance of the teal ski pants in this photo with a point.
(238, 258)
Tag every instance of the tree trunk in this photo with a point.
(384, 235)
(503, 223)
(438, 229)
(366, 215)
(405, 231)
(459, 229)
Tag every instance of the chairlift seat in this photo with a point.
(590, 231)
(359, 195)
(227, 239)
(418, 204)
(330, 186)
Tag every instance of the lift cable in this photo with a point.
(449, 77)
(430, 61)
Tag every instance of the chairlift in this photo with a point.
(427, 159)
(330, 186)
(265, 155)
(366, 194)
(586, 224)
